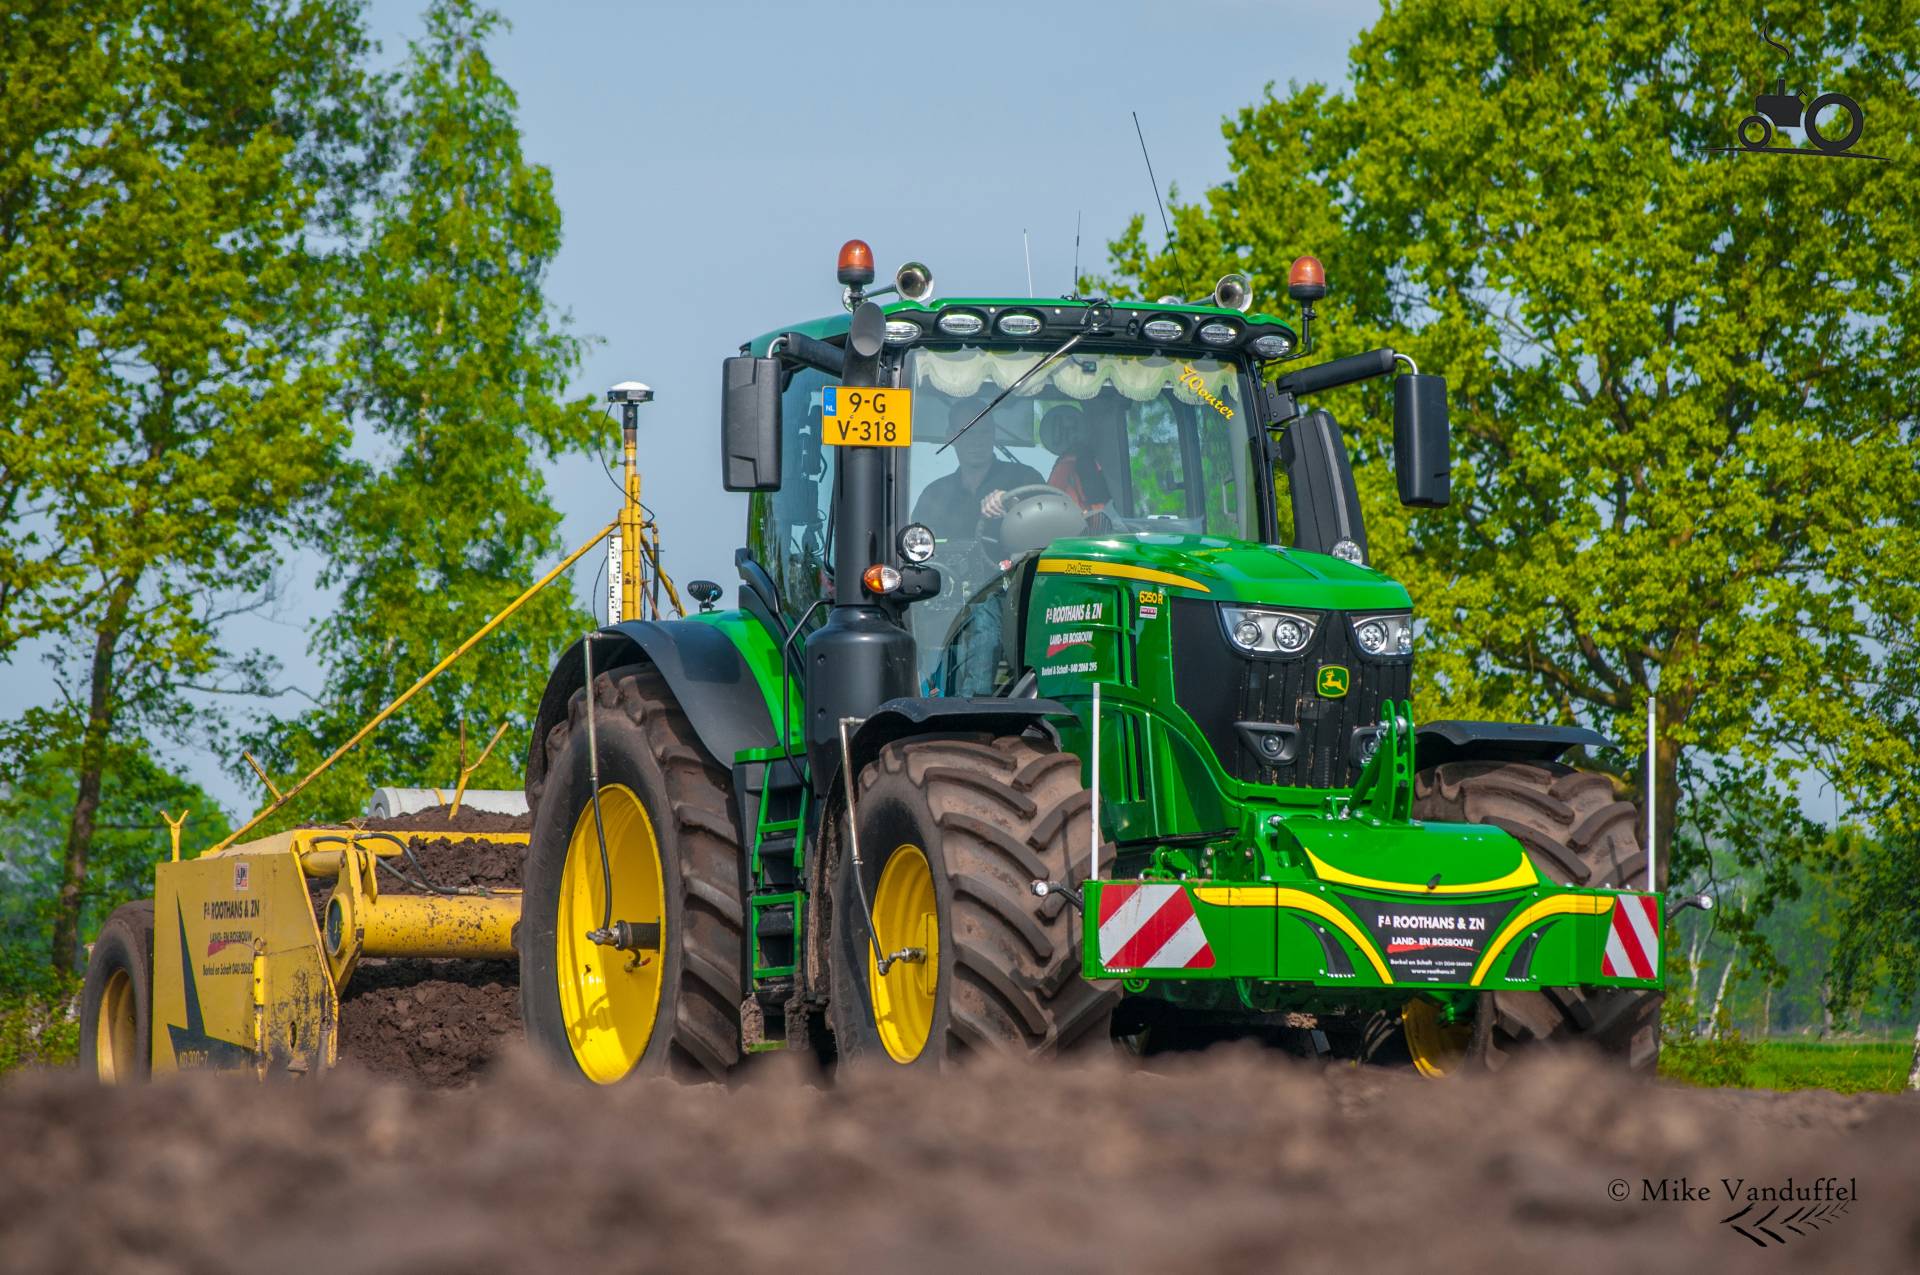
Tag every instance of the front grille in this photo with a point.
(1219, 685)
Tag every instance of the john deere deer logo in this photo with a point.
(1332, 681)
(1781, 109)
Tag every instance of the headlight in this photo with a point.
(902, 331)
(1384, 635)
(1348, 551)
(1268, 632)
(916, 542)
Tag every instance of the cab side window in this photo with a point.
(793, 526)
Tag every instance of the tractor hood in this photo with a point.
(1226, 570)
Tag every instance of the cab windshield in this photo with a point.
(1094, 444)
(1103, 444)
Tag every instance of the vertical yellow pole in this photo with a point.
(631, 592)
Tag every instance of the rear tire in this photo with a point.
(116, 1003)
(606, 1021)
(988, 817)
(1577, 833)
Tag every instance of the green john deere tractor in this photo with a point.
(1060, 706)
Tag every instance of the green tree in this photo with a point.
(170, 178)
(459, 369)
(1682, 380)
(1879, 944)
(130, 836)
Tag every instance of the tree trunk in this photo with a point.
(1766, 1013)
(1826, 1009)
(1693, 968)
(1913, 1072)
(1720, 995)
(93, 763)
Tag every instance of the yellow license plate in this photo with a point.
(862, 416)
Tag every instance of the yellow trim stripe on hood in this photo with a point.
(1118, 571)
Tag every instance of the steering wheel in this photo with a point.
(1032, 517)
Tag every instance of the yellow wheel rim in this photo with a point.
(116, 1039)
(905, 916)
(609, 999)
(1438, 1049)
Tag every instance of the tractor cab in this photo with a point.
(1151, 426)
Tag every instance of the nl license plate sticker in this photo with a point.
(861, 416)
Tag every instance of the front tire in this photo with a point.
(116, 1003)
(1577, 833)
(953, 833)
(675, 863)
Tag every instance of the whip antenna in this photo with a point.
(1074, 291)
(1150, 177)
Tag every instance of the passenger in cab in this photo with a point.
(1064, 431)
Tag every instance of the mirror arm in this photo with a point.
(815, 354)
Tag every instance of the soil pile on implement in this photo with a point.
(1235, 1160)
(436, 1022)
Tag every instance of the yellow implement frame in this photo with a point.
(245, 975)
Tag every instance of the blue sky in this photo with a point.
(709, 160)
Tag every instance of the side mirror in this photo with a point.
(750, 424)
(1421, 464)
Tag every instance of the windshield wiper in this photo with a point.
(1092, 320)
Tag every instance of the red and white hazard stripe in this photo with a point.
(1151, 926)
(1633, 941)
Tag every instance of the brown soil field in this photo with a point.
(1233, 1160)
(440, 1145)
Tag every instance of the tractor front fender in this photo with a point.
(709, 675)
(1436, 743)
(949, 716)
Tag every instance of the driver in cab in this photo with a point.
(954, 504)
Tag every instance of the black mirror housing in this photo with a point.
(1422, 464)
(750, 424)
